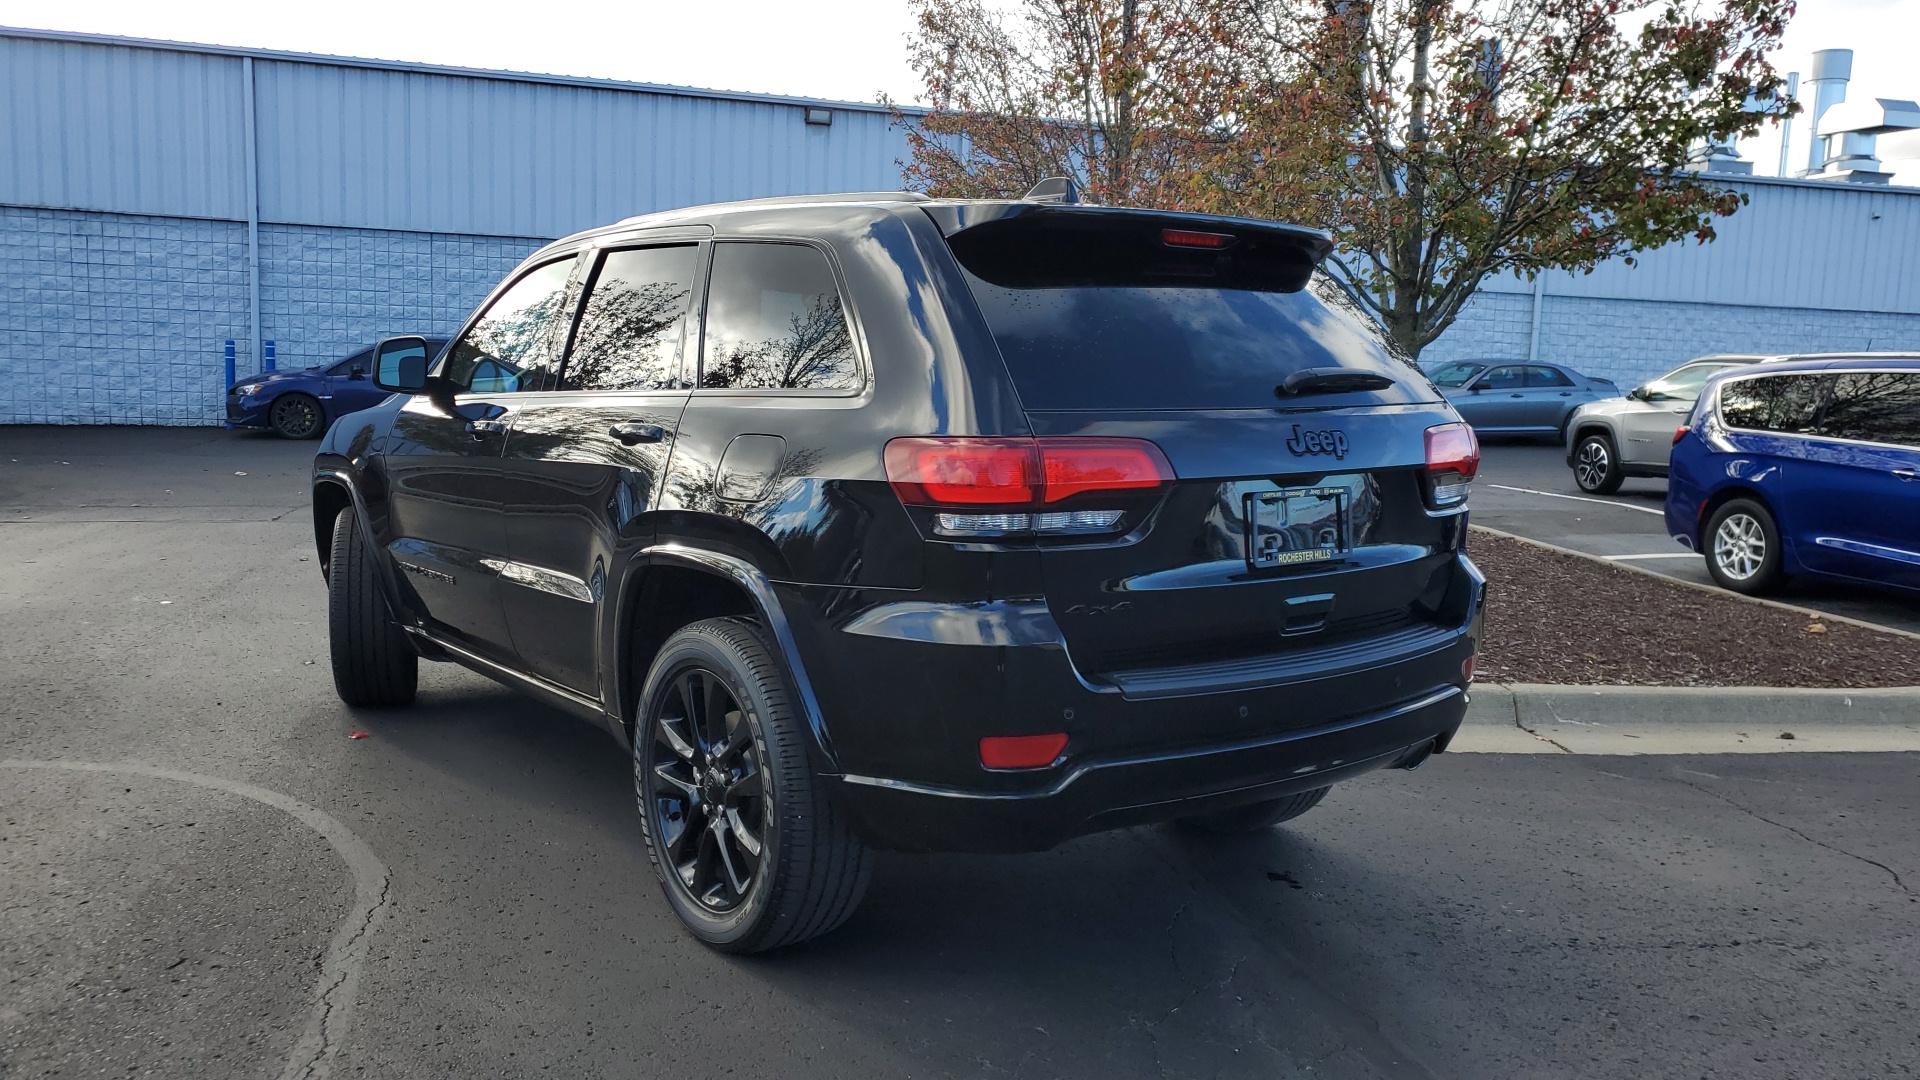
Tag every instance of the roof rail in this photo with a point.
(790, 200)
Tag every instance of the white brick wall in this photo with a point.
(1630, 341)
(122, 319)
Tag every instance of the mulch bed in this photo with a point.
(1554, 618)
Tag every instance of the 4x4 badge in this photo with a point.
(1331, 441)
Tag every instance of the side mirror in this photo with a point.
(400, 364)
(1638, 393)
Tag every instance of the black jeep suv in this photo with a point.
(873, 521)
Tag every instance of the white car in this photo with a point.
(1614, 438)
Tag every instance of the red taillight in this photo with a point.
(1194, 238)
(1021, 751)
(1031, 472)
(1681, 434)
(965, 472)
(1453, 459)
(1072, 466)
(1466, 669)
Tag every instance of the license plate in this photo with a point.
(1296, 525)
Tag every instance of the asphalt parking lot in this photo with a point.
(1526, 488)
(216, 882)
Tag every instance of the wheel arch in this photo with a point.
(334, 490)
(1712, 503)
(673, 585)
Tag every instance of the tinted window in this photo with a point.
(1685, 382)
(774, 322)
(1178, 347)
(511, 348)
(361, 360)
(1546, 376)
(1455, 374)
(1785, 403)
(1503, 378)
(630, 328)
(1879, 406)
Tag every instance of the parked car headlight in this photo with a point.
(248, 390)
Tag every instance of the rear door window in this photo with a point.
(630, 329)
(1876, 406)
(1541, 378)
(1787, 404)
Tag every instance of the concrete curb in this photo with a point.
(1534, 705)
(1811, 613)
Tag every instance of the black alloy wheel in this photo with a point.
(295, 416)
(1596, 465)
(710, 805)
(751, 850)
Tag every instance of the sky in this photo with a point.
(850, 50)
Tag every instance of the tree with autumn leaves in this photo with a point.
(1440, 141)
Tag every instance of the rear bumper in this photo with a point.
(1099, 794)
(907, 709)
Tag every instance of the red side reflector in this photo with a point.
(1015, 472)
(1195, 239)
(1466, 668)
(1453, 448)
(1681, 434)
(1021, 751)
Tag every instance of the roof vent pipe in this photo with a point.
(1831, 70)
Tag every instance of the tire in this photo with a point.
(720, 750)
(1596, 465)
(373, 664)
(1742, 545)
(1254, 817)
(297, 416)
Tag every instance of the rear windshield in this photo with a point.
(1182, 347)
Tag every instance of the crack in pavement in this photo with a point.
(1835, 848)
(332, 1012)
(1521, 724)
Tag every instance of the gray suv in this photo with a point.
(1614, 438)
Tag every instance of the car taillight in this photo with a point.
(1453, 458)
(1681, 434)
(1002, 487)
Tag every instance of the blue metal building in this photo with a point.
(159, 199)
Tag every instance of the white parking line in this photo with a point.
(1580, 498)
(1654, 555)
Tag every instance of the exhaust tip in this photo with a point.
(1415, 757)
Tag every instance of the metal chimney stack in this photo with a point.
(1831, 70)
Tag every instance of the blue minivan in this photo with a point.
(1803, 468)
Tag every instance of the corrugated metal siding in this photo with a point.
(1793, 245)
(398, 150)
(136, 131)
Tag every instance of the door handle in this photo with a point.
(1906, 474)
(1566, 393)
(1516, 395)
(480, 429)
(634, 434)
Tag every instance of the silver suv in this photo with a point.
(1614, 438)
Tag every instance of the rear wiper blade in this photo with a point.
(1330, 381)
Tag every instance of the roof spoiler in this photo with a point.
(1058, 245)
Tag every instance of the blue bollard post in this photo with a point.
(267, 360)
(230, 374)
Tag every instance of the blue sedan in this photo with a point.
(1515, 398)
(302, 403)
(1803, 468)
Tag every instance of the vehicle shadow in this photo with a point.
(1115, 955)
